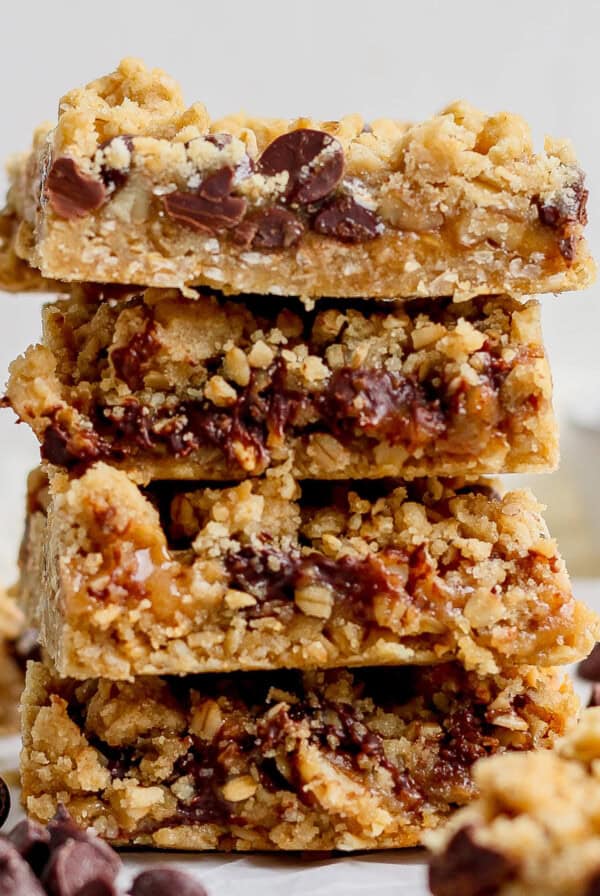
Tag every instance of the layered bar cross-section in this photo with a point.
(190, 579)
(132, 187)
(169, 387)
(369, 758)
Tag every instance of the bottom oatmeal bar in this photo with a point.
(341, 759)
(535, 829)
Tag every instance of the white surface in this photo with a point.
(384, 874)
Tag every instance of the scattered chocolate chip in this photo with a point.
(593, 887)
(590, 667)
(4, 801)
(166, 882)
(71, 193)
(274, 228)
(467, 869)
(594, 695)
(32, 841)
(77, 867)
(346, 220)
(314, 161)
(63, 829)
(209, 208)
(16, 877)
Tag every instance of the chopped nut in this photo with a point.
(236, 367)
(240, 788)
(220, 392)
(206, 720)
(261, 355)
(315, 600)
(236, 600)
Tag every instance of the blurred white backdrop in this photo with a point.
(540, 58)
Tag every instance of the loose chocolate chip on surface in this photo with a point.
(16, 877)
(166, 882)
(466, 868)
(32, 841)
(346, 220)
(314, 161)
(209, 208)
(590, 667)
(274, 228)
(4, 801)
(71, 193)
(63, 829)
(78, 867)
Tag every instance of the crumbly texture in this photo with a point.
(11, 668)
(168, 387)
(535, 829)
(341, 759)
(133, 187)
(262, 576)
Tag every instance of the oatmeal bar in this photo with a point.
(132, 187)
(168, 387)
(340, 759)
(12, 662)
(535, 829)
(263, 575)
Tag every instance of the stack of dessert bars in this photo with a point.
(279, 605)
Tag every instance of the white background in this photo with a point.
(540, 58)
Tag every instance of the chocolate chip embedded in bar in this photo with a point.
(532, 830)
(215, 388)
(340, 759)
(173, 580)
(459, 204)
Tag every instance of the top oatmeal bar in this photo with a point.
(132, 187)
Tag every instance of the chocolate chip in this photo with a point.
(71, 193)
(63, 829)
(79, 867)
(274, 228)
(594, 696)
(346, 220)
(590, 667)
(593, 887)
(166, 882)
(467, 869)
(61, 448)
(32, 842)
(16, 877)
(313, 160)
(4, 801)
(209, 208)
